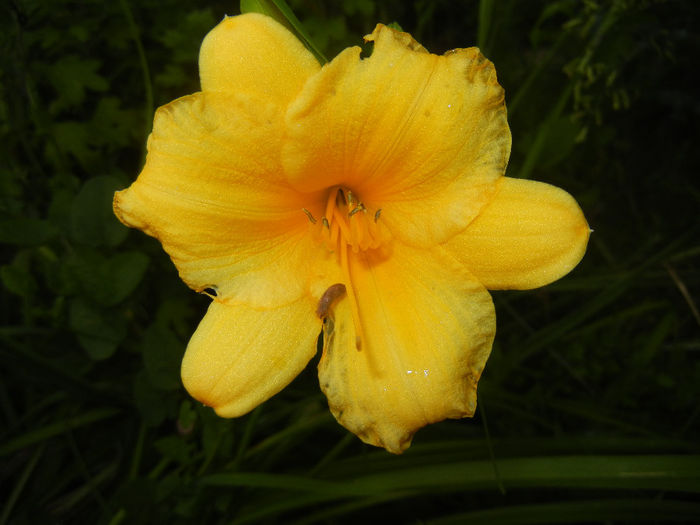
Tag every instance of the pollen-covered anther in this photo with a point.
(311, 218)
(348, 221)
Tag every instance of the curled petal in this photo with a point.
(212, 193)
(423, 137)
(239, 356)
(252, 53)
(530, 235)
(426, 332)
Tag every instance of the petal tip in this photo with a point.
(383, 34)
(530, 235)
(120, 205)
(378, 434)
(255, 54)
(130, 211)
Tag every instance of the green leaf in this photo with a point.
(187, 417)
(70, 138)
(486, 11)
(151, 403)
(162, 353)
(174, 448)
(108, 281)
(17, 279)
(663, 472)
(92, 220)
(561, 138)
(542, 135)
(43, 432)
(98, 332)
(71, 77)
(267, 8)
(112, 126)
(599, 511)
(122, 274)
(25, 231)
(217, 434)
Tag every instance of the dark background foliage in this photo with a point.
(589, 404)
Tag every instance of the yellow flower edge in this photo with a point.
(365, 198)
(428, 326)
(233, 359)
(534, 234)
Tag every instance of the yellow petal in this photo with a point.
(427, 330)
(530, 235)
(252, 53)
(213, 194)
(423, 137)
(239, 357)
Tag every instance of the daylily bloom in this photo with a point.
(366, 198)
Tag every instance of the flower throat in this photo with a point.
(348, 222)
(348, 225)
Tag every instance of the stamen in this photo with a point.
(344, 228)
(330, 206)
(334, 235)
(309, 215)
(343, 225)
(352, 201)
(354, 309)
(360, 207)
(355, 236)
(364, 236)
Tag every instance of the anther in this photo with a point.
(341, 229)
(308, 214)
(351, 199)
(360, 207)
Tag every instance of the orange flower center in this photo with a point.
(348, 222)
(348, 225)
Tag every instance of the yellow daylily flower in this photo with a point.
(366, 198)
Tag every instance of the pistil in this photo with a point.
(347, 225)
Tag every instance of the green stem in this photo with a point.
(542, 134)
(138, 453)
(145, 71)
(489, 445)
(21, 482)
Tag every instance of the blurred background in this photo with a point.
(589, 404)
